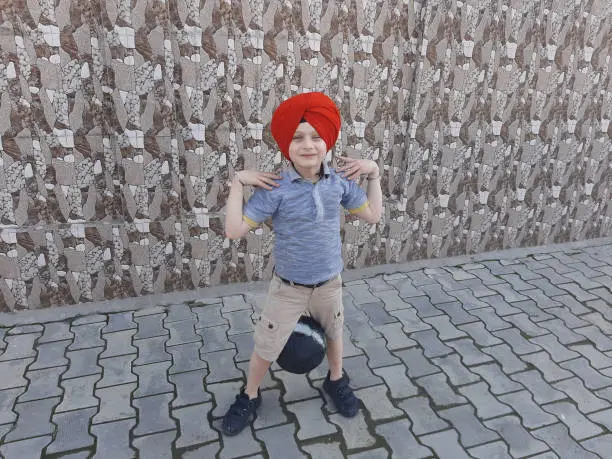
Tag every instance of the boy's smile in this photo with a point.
(307, 150)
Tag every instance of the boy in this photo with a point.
(304, 204)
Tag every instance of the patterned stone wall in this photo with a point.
(121, 123)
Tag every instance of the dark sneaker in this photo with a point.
(239, 414)
(340, 392)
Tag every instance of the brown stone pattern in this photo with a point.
(121, 122)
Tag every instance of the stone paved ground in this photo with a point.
(507, 357)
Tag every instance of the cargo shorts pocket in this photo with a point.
(337, 320)
(266, 333)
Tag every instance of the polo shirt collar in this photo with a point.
(294, 175)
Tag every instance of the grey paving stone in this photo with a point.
(189, 388)
(520, 441)
(570, 319)
(119, 343)
(601, 341)
(25, 329)
(601, 445)
(518, 344)
(498, 381)
(584, 399)
(209, 316)
(13, 371)
(33, 419)
(525, 271)
(445, 329)
(182, 332)
(576, 290)
(603, 418)
(516, 282)
(553, 276)
(87, 336)
(551, 371)
(547, 287)
(221, 366)
(43, 384)
(377, 403)
(350, 350)
(416, 363)
(470, 354)
(117, 370)
(454, 369)
(378, 284)
(410, 320)
(424, 418)
(471, 431)
(72, 431)
(224, 394)
(456, 313)
(56, 331)
(436, 294)
(572, 304)
(297, 387)
(153, 379)
(392, 300)
(485, 275)
(501, 306)
(603, 293)
(115, 403)
(406, 288)
(209, 450)
(377, 314)
(151, 350)
(503, 354)
(149, 311)
(150, 326)
(439, 390)
(78, 393)
(445, 444)
(399, 384)
(542, 391)
(558, 352)
(19, 347)
(395, 336)
(234, 303)
(186, 357)
(560, 442)
(194, 425)
(510, 294)
(444, 278)
(479, 334)
(7, 401)
(156, 446)
(377, 353)
(359, 372)
(359, 326)
(361, 294)
(596, 318)
(239, 321)
(469, 300)
(591, 377)
(89, 319)
(31, 447)
(527, 327)
(271, 412)
(459, 273)
(401, 441)
(280, 441)
(531, 414)
(309, 417)
(533, 310)
(579, 425)
(486, 405)
(431, 344)
(83, 363)
(179, 312)
(540, 298)
(497, 450)
(120, 321)
(419, 278)
(354, 431)
(153, 414)
(113, 440)
(50, 355)
(330, 450)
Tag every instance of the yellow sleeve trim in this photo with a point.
(360, 208)
(251, 223)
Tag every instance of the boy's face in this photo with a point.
(307, 149)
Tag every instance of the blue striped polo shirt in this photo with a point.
(306, 221)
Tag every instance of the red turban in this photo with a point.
(313, 107)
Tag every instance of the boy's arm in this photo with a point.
(372, 211)
(236, 224)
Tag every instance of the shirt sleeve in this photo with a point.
(354, 197)
(261, 206)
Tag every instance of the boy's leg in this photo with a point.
(258, 368)
(334, 357)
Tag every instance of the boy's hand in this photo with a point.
(354, 168)
(255, 178)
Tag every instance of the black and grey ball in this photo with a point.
(305, 348)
